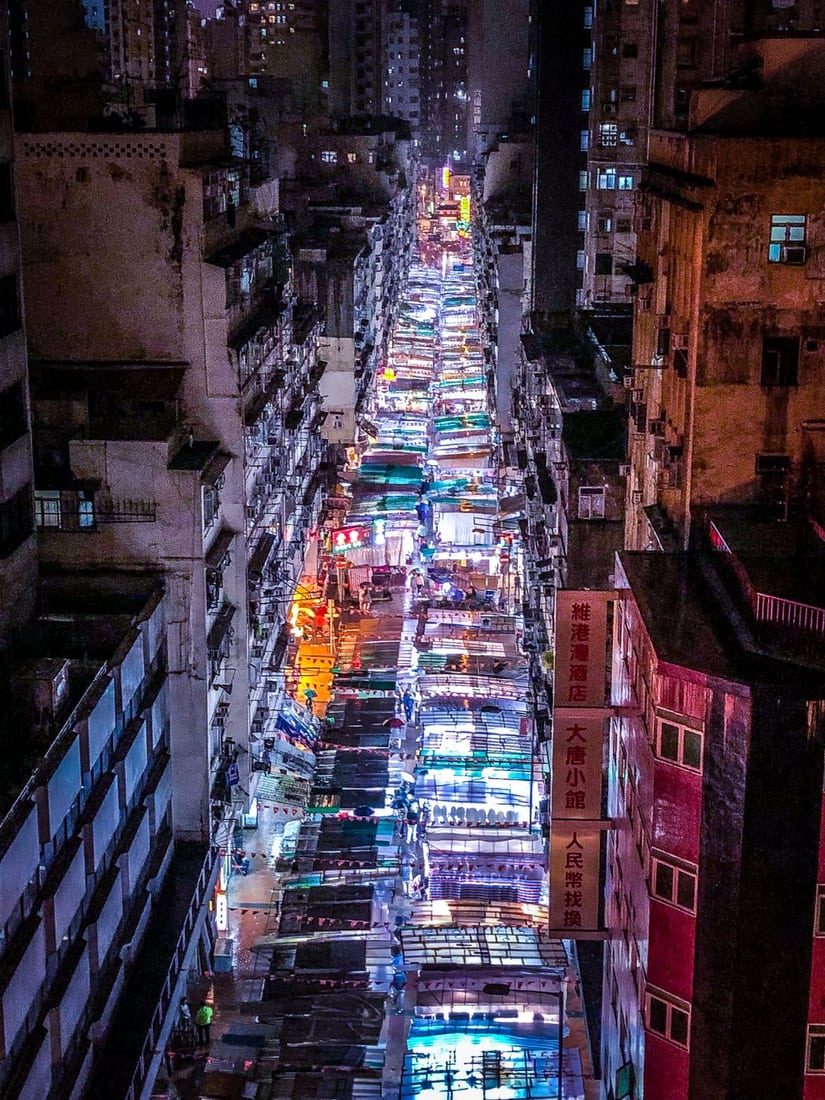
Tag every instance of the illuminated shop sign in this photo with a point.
(350, 538)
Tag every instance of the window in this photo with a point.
(608, 135)
(329, 156)
(583, 180)
(815, 1061)
(352, 158)
(6, 194)
(627, 93)
(780, 361)
(606, 179)
(211, 504)
(788, 239)
(588, 16)
(624, 225)
(9, 305)
(669, 1018)
(819, 918)
(630, 50)
(13, 420)
(674, 883)
(605, 223)
(585, 99)
(604, 263)
(587, 58)
(679, 744)
(16, 520)
(581, 223)
(591, 502)
(687, 53)
(580, 260)
(625, 183)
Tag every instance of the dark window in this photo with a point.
(6, 194)
(663, 884)
(816, 1048)
(16, 520)
(669, 745)
(9, 305)
(13, 422)
(692, 749)
(604, 263)
(687, 53)
(679, 1026)
(624, 225)
(780, 361)
(630, 49)
(658, 1016)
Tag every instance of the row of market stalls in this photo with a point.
(411, 959)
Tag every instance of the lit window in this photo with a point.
(669, 1018)
(678, 744)
(580, 259)
(352, 158)
(674, 883)
(608, 134)
(591, 500)
(625, 183)
(587, 58)
(788, 239)
(815, 1060)
(583, 180)
(584, 140)
(585, 99)
(604, 223)
(588, 16)
(582, 221)
(329, 156)
(606, 179)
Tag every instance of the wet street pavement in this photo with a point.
(387, 937)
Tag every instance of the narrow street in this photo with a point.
(385, 939)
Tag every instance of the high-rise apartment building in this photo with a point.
(401, 50)
(497, 54)
(18, 562)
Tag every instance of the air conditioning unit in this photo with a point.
(679, 342)
(637, 396)
(656, 427)
(624, 469)
(627, 381)
(793, 253)
(636, 496)
(644, 304)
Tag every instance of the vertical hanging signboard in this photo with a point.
(579, 714)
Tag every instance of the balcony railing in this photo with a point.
(789, 613)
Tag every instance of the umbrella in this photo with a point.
(407, 777)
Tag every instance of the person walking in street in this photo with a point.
(408, 702)
(184, 1017)
(203, 1024)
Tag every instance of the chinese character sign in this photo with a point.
(577, 766)
(581, 635)
(574, 879)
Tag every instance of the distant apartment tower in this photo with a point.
(497, 80)
(18, 561)
(444, 80)
(401, 51)
(616, 141)
(563, 54)
(355, 57)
